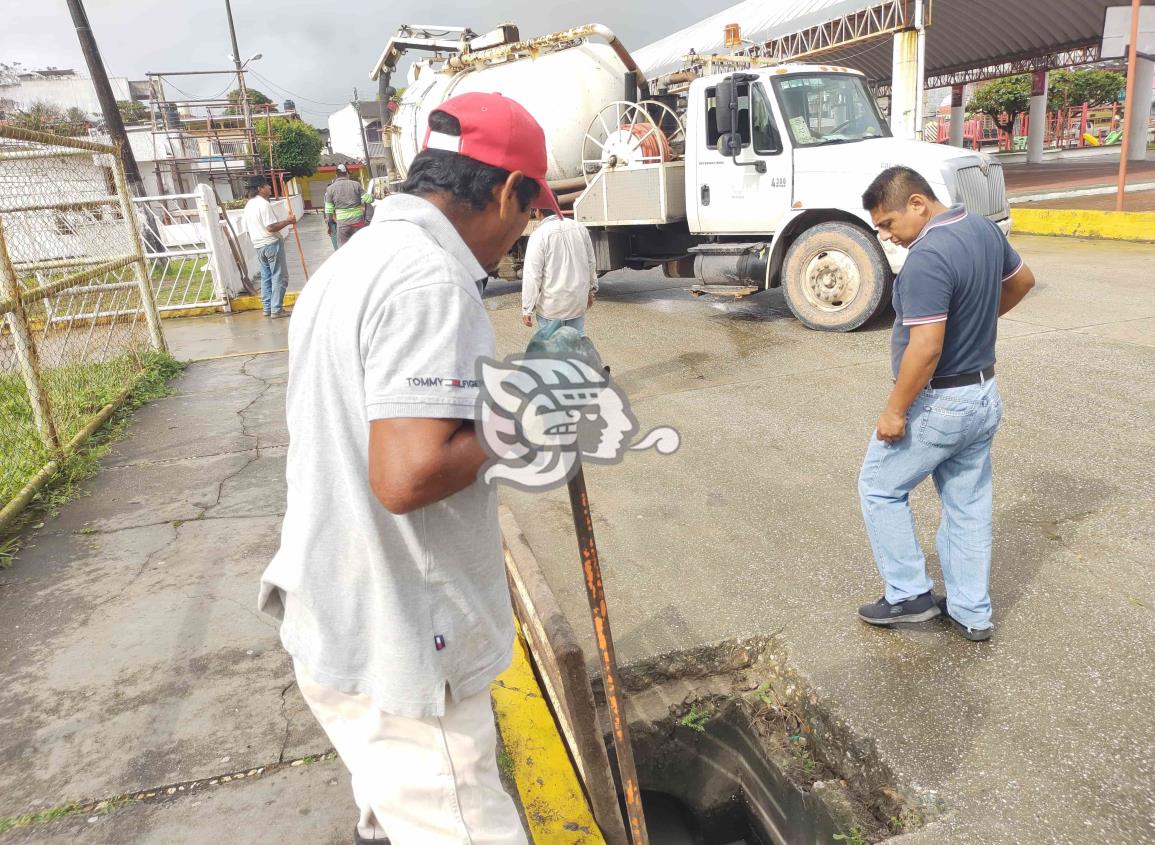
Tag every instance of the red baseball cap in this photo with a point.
(497, 131)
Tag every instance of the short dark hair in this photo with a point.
(256, 183)
(893, 187)
(467, 180)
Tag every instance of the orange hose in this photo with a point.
(654, 145)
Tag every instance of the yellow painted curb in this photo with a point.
(253, 303)
(554, 802)
(1113, 225)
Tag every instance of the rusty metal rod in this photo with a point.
(289, 208)
(595, 591)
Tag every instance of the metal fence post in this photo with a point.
(26, 350)
(210, 214)
(144, 281)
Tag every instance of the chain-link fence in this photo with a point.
(77, 316)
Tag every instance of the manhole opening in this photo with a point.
(745, 757)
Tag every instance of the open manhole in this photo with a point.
(745, 756)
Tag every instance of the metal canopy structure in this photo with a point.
(966, 40)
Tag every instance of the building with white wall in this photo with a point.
(65, 90)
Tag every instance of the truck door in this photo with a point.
(731, 196)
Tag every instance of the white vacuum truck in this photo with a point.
(738, 173)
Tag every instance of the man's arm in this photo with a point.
(532, 273)
(273, 228)
(914, 373)
(415, 462)
(1015, 287)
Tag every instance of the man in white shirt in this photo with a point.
(265, 232)
(390, 580)
(560, 277)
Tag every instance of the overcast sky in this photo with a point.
(314, 51)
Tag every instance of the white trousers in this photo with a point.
(420, 781)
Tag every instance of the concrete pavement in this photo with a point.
(134, 660)
(753, 527)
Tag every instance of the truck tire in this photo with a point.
(836, 277)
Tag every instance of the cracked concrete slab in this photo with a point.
(311, 803)
(132, 649)
(142, 660)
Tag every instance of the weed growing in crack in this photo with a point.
(9, 548)
(854, 836)
(505, 763)
(908, 820)
(697, 718)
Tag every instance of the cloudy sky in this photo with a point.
(314, 51)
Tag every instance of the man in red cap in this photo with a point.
(390, 581)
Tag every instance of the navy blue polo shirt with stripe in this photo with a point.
(954, 274)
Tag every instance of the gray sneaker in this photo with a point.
(917, 609)
(279, 313)
(975, 635)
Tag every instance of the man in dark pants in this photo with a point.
(345, 203)
(961, 275)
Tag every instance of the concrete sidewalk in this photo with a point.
(135, 662)
(132, 653)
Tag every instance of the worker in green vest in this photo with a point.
(345, 202)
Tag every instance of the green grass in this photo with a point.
(77, 393)
(854, 836)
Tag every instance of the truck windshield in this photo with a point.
(828, 108)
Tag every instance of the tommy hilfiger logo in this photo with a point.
(438, 381)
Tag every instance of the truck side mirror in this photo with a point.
(729, 145)
(726, 110)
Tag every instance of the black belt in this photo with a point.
(962, 379)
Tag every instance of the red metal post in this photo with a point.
(1130, 107)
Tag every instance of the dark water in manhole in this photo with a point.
(670, 822)
(719, 787)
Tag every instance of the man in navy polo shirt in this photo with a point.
(961, 275)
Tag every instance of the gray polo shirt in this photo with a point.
(403, 609)
(954, 274)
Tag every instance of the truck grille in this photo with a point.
(983, 194)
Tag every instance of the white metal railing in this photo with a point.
(179, 249)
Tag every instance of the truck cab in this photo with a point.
(774, 164)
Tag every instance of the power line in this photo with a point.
(296, 96)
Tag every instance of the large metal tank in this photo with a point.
(564, 89)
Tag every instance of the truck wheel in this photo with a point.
(836, 277)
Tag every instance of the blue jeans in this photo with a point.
(546, 328)
(274, 276)
(948, 436)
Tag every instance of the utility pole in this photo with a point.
(112, 118)
(360, 125)
(244, 91)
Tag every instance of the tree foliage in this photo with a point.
(256, 98)
(1072, 88)
(132, 112)
(296, 145)
(1003, 99)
